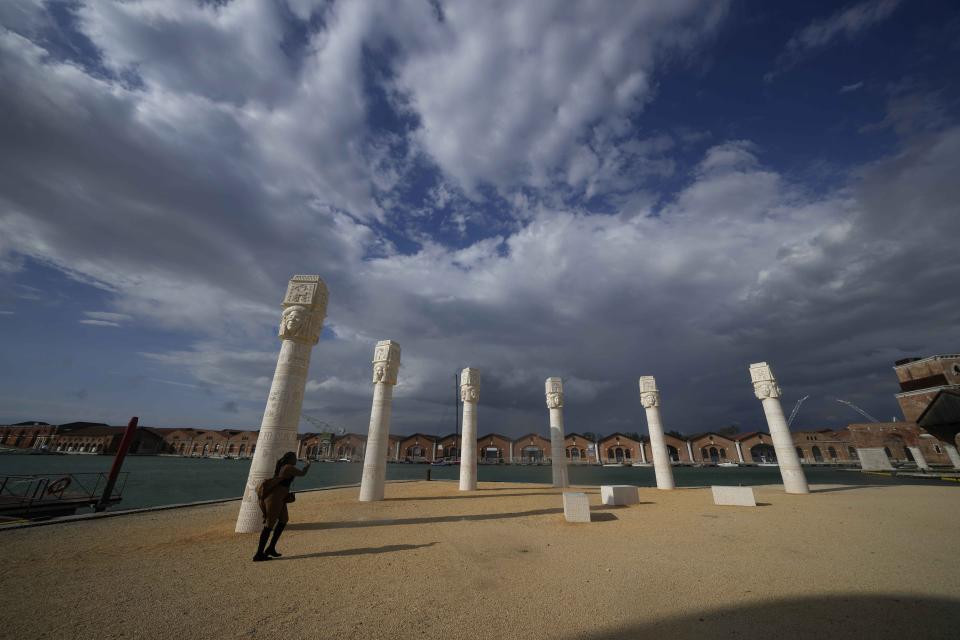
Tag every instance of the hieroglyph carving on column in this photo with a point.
(304, 309)
(650, 399)
(558, 464)
(469, 395)
(386, 368)
(767, 390)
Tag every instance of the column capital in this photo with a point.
(304, 310)
(764, 382)
(554, 391)
(470, 385)
(386, 362)
(649, 394)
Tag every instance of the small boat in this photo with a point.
(728, 464)
(642, 464)
(614, 464)
(767, 464)
(344, 460)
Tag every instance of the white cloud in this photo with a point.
(847, 23)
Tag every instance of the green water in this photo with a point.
(154, 481)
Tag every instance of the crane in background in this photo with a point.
(796, 409)
(857, 409)
(325, 427)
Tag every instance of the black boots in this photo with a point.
(272, 549)
(264, 535)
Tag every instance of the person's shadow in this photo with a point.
(362, 551)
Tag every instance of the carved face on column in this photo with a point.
(470, 385)
(649, 399)
(469, 393)
(294, 322)
(554, 391)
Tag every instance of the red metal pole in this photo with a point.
(117, 463)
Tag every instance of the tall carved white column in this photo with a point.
(304, 309)
(650, 399)
(558, 462)
(386, 366)
(470, 395)
(766, 389)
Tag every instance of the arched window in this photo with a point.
(703, 454)
(817, 455)
(619, 454)
(800, 453)
(886, 450)
(714, 455)
(673, 453)
(908, 454)
(832, 453)
(723, 454)
(853, 453)
(610, 453)
(626, 454)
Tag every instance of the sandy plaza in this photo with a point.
(428, 561)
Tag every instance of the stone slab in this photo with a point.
(576, 507)
(734, 496)
(874, 459)
(919, 458)
(619, 494)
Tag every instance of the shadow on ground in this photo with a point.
(360, 524)
(473, 495)
(363, 551)
(849, 487)
(878, 617)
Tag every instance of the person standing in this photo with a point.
(274, 495)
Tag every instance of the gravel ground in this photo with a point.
(845, 561)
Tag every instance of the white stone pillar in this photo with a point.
(739, 451)
(953, 455)
(766, 389)
(650, 399)
(689, 450)
(386, 366)
(558, 462)
(643, 453)
(919, 459)
(304, 309)
(469, 395)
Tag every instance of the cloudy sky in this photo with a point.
(593, 190)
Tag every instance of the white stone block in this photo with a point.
(874, 459)
(576, 507)
(919, 458)
(734, 496)
(617, 494)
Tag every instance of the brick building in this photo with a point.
(713, 448)
(531, 448)
(448, 447)
(418, 447)
(493, 448)
(619, 448)
(97, 438)
(579, 449)
(26, 435)
(921, 379)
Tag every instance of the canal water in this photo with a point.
(161, 480)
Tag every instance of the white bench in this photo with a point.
(576, 507)
(734, 496)
(617, 494)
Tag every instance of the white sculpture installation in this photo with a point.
(386, 366)
(766, 389)
(554, 388)
(650, 399)
(469, 395)
(304, 309)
